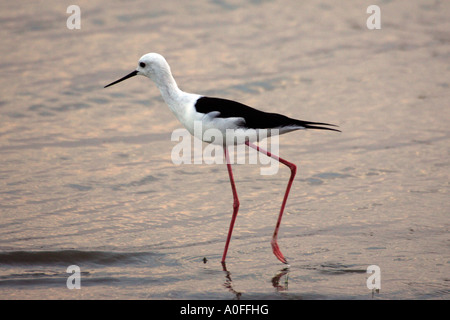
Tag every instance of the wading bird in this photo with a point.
(223, 114)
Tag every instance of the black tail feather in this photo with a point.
(317, 125)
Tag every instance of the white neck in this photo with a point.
(178, 101)
(167, 86)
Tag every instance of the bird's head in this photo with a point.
(151, 65)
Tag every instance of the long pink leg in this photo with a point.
(293, 167)
(235, 203)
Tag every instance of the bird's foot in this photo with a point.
(277, 252)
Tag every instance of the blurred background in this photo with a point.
(86, 176)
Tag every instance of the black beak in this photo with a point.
(132, 74)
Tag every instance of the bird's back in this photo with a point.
(253, 118)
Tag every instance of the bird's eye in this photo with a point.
(142, 65)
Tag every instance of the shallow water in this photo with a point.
(86, 176)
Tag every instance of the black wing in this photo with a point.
(254, 119)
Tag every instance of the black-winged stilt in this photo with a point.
(223, 115)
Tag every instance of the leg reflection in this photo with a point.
(276, 280)
(227, 283)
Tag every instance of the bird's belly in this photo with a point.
(226, 131)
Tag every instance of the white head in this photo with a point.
(153, 66)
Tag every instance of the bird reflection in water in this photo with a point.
(275, 281)
(227, 284)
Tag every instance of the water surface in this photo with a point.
(86, 176)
